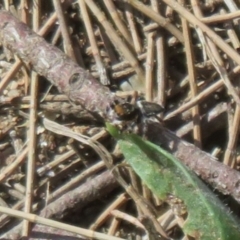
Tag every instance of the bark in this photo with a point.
(218, 175)
(50, 62)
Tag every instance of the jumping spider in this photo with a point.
(133, 117)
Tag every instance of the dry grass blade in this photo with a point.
(62, 130)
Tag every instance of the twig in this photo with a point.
(201, 95)
(232, 7)
(75, 181)
(119, 44)
(75, 82)
(117, 20)
(210, 33)
(64, 30)
(9, 170)
(214, 119)
(32, 134)
(122, 199)
(221, 18)
(161, 61)
(44, 221)
(132, 26)
(214, 55)
(157, 18)
(232, 141)
(231, 32)
(95, 51)
(17, 65)
(149, 67)
(192, 80)
(127, 218)
(48, 167)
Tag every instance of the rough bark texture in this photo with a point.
(50, 62)
(218, 175)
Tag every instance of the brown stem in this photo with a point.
(50, 62)
(220, 176)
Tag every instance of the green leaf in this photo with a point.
(113, 130)
(208, 218)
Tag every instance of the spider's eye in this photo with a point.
(149, 109)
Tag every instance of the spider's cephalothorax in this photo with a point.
(125, 111)
(133, 117)
(122, 114)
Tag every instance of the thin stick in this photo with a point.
(32, 133)
(48, 167)
(114, 226)
(132, 26)
(64, 29)
(122, 199)
(47, 222)
(117, 20)
(232, 141)
(206, 30)
(221, 18)
(11, 168)
(231, 32)
(201, 96)
(161, 61)
(127, 218)
(214, 55)
(118, 43)
(157, 18)
(150, 66)
(232, 6)
(75, 181)
(192, 80)
(95, 51)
